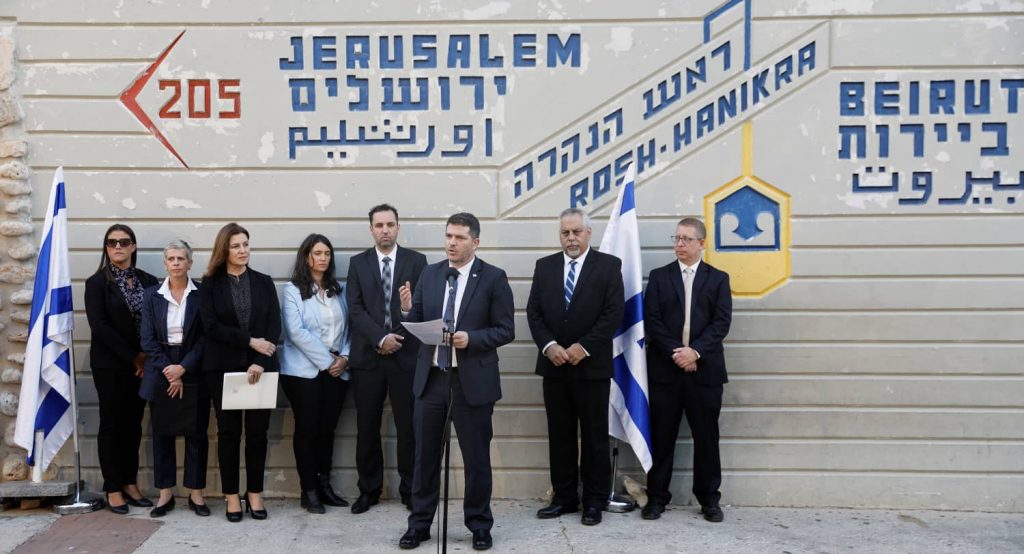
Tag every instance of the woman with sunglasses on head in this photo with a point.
(242, 324)
(313, 366)
(172, 339)
(113, 306)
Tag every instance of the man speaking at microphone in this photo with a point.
(475, 301)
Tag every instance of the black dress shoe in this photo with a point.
(412, 539)
(712, 513)
(141, 502)
(327, 494)
(310, 500)
(256, 514)
(555, 509)
(363, 503)
(233, 517)
(591, 516)
(162, 510)
(652, 511)
(119, 510)
(482, 539)
(200, 509)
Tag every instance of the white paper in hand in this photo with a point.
(430, 333)
(240, 395)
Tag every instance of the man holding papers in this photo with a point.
(474, 297)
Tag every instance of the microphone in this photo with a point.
(452, 276)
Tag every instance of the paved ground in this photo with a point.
(681, 529)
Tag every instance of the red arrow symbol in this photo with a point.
(128, 98)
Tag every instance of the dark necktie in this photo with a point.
(570, 283)
(449, 323)
(385, 283)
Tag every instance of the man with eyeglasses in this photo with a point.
(687, 313)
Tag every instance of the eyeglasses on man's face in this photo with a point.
(684, 240)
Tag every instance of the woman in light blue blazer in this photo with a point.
(314, 366)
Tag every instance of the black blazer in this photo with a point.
(154, 337)
(486, 314)
(115, 341)
(225, 344)
(594, 313)
(366, 306)
(711, 310)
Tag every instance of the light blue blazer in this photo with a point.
(304, 354)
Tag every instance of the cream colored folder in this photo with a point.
(240, 395)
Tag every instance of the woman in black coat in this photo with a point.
(172, 339)
(242, 324)
(113, 305)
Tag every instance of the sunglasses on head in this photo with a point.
(123, 243)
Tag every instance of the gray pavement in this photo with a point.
(681, 529)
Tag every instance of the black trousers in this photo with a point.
(702, 406)
(371, 387)
(473, 425)
(120, 432)
(229, 438)
(316, 404)
(197, 447)
(569, 402)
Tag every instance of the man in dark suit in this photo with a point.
(575, 306)
(687, 313)
(383, 355)
(475, 300)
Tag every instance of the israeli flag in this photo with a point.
(629, 412)
(45, 402)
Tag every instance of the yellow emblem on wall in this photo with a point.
(748, 225)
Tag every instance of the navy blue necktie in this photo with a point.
(570, 283)
(449, 323)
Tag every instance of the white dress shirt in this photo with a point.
(333, 319)
(175, 311)
(688, 288)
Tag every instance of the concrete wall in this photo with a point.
(876, 349)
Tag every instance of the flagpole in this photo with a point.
(92, 502)
(628, 408)
(618, 503)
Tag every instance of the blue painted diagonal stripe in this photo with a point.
(633, 397)
(633, 314)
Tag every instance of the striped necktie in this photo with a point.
(385, 283)
(570, 283)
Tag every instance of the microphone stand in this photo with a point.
(447, 337)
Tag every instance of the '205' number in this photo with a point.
(199, 93)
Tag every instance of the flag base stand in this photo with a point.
(618, 503)
(85, 504)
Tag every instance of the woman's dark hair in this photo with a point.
(104, 259)
(302, 277)
(221, 246)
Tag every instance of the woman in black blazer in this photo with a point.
(242, 324)
(113, 305)
(172, 340)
